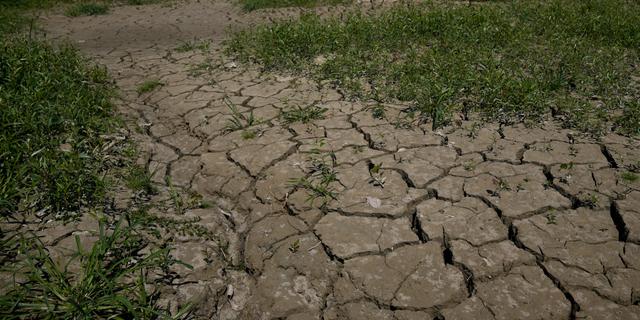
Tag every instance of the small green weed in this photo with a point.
(629, 176)
(248, 134)
(202, 45)
(378, 111)
(239, 121)
(304, 115)
(87, 9)
(148, 86)
(321, 177)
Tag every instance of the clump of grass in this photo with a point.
(239, 121)
(139, 179)
(322, 175)
(378, 111)
(54, 108)
(248, 134)
(202, 45)
(148, 86)
(629, 177)
(110, 281)
(250, 5)
(87, 9)
(303, 114)
(511, 61)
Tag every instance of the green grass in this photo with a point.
(202, 45)
(87, 9)
(510, 61)
(139, 179)
(250, 5)
(629, 177)
(148, 86)
(106, 282)
(53, 109)
(303, 115)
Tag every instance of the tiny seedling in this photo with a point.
(469, 166)
(551, 218)
(566, 166)
(295, 246)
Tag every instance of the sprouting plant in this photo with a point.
(315, 189)
(148, 86)
(567, 166)
(321, 176)
(295, 246)
(358, 149)
(551, 217)
(629, 176)
(474, 130)
(248, 134)
(378, 111)
(303, 115)
(377, 177)
(176, 198)
(589, 200)
(469, 166)
(502, 185)
(239, 121)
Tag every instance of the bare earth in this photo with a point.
(468, 222)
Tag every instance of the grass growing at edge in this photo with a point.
(54, 107)
(87, 9)
(250, 5)
(511, 61)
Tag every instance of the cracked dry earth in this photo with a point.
(497, 222)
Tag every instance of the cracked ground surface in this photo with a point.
(468, 222)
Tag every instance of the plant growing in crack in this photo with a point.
(378, 111)
(589, 200)
(377, 175)
(321, 176)
(303, 115)
(239, 121)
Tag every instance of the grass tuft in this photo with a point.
(303, 115)
(87, 9)
(148, 86)
(511, 61)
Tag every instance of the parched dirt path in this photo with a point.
(470, 222)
